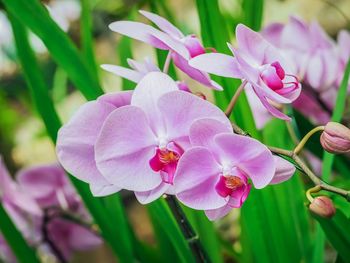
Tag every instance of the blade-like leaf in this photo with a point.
(32, 14)
(22, 251)
(86, 29)
(328, 158)
(253, 13)
(118, 240)
(337, 231)
(164, 220)
(215, 34)
(336, 117)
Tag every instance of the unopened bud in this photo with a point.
(335, 138)
(322, 206)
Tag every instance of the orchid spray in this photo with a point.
(163, 140)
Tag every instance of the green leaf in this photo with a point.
(165, 222)
(215, 34)
(86, 29)
(38, 89)
(118, 240)
(253, 13)
(328, 158)
(275, 224)
(60, 85)
(23, 252)
(33, 14)
(337, 230)
(206, 232)
(336, 117)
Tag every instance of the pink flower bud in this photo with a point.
(322, 206)
(336, 138)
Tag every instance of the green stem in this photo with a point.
(302, 166)
(234, 99)
(303, 141)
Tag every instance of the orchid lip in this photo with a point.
(165, 161)
(274, 77)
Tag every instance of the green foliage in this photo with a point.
(63, 51)
(120, 241)
(168, 231)
(337, 231)
(20, 248)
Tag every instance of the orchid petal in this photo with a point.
(181, 109)
(215, 214)
(296, 27)
(203, 131)
(123, 150)
(275, 112)
(195, 179)
(260, 113)
(76, 140)
(163, 24)
(146, 96)
(103, 190)
(284, 170)
(251, 43)
(126, 73)
(117, 99)
(152, 195)
(250, 155)
(200, 76)
(218, 64)
(149, 35)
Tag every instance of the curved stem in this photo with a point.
(187, 230)
(312, 190)
(303, 141)
(234, 99)
(167, 63)
(301, 166)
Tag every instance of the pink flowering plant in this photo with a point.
(218, 132)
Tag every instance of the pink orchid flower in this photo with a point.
(213, 175)
(312, 51)
(6, 254)
(344, 47)
(258, 62)
(136, 73)
(76, 141)
(140, 145)
(70, 237)
(17, 202)
(49, 186)
(170, 38)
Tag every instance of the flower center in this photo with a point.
(276, 79)
(228, 184)
(165, 161)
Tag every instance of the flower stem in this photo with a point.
(234, 99)
(303, 141)
(314, 189)
(167, 63)
(187, 230)
(300, 164)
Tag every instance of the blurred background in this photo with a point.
(23, 139)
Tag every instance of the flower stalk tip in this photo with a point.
(336, 138)
(323, 206)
